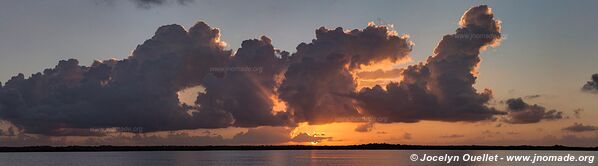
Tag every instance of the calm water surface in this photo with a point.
(269, 157)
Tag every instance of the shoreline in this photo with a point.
(109, 148)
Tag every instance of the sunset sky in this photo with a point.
(537, 61)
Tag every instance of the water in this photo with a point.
(268, 157)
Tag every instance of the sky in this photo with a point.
(545, 56)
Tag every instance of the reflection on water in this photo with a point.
(268, 157)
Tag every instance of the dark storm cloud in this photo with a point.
(579, 127)
(321, 70)
(522, 113)
(139, 91)
(441, 89)
(592, 85)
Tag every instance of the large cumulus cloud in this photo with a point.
(139, 91)
(322, 69)
(441, 88)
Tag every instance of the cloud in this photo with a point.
(453, 136)
(364, 128)
(273, 135)
(523, 113)
(441, 89)
(264, 135)
(532, 96)
(579, 127)
(249, 95)
(304, 137)
(592, 85)
(322, 69)
(139, 91)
